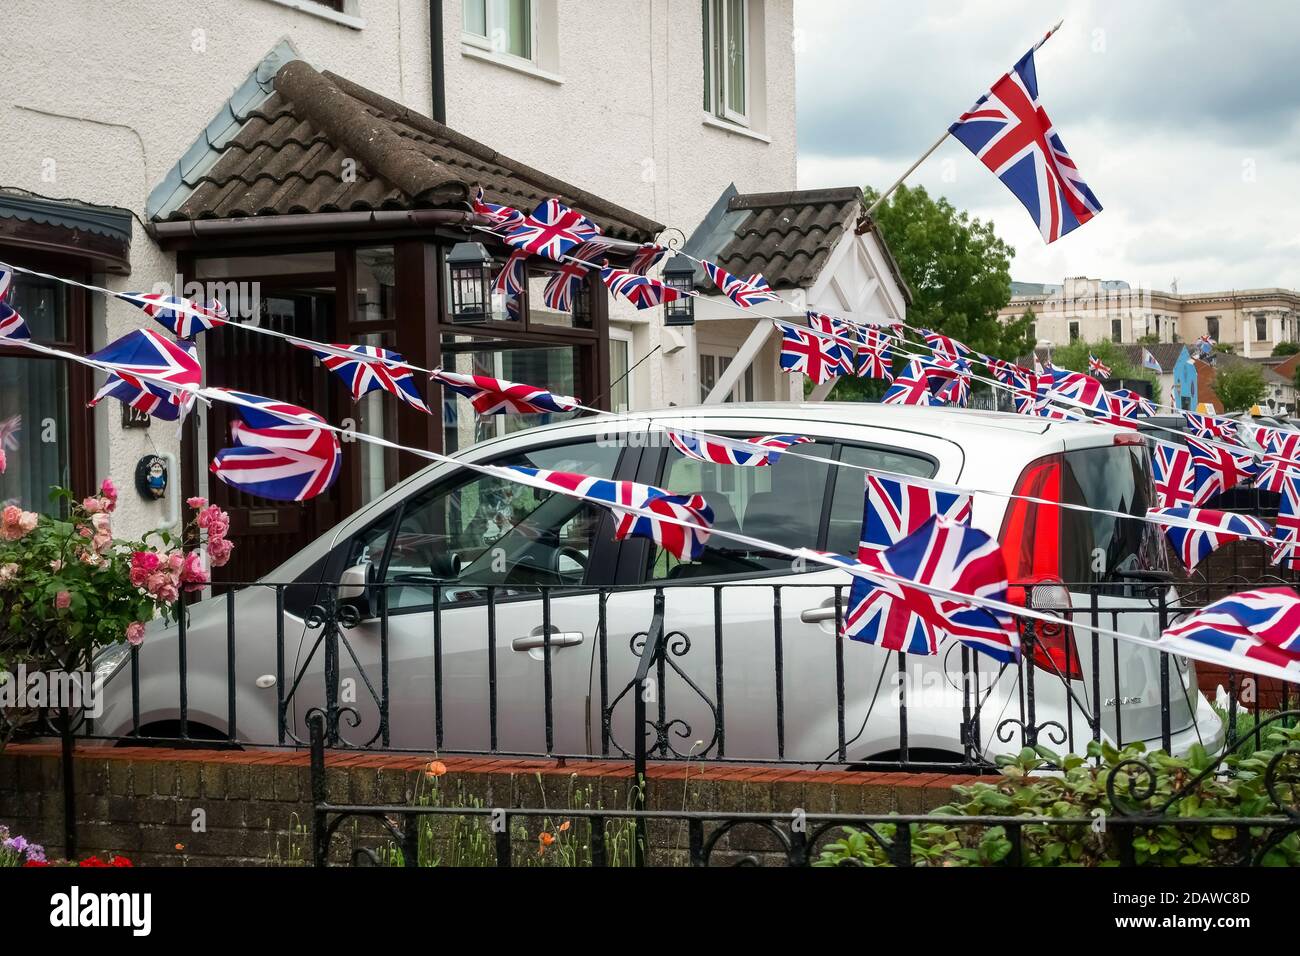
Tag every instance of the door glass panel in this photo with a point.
(483, 530)
(781, 503)
(375, 414)
(849, 500)
(33, 431)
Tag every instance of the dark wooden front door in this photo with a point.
(268, 532)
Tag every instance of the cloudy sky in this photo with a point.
(1184, 118)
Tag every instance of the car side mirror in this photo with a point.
(354, 584)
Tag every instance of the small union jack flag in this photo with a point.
(512, 278)
(182, 317)
(1120, 412)
(1097, 367)
(12, 326)
(945, 346)
(744, 292)
(368, 367)
(707, 448)
(496, 396)
(280, 452)
(647, 257)
(6, 279)
(1008, 130)
(876, 361)
(1287, 527)
(502, 217)
(1256, 631)
(1074, 388)
(896, 508)
(1218, 468)
(1276, 469)
(1218, 528)
(1144, 406)
(561, 287)
(949, 379)
(642, 291)
(1278, 441)
(912, 387)
(845, 338)
(1020, 382)
(683, 534)
(802, 350)
(553, 230)
(1175, 476)
(166, 362)
(944, 555)
(1213, 427)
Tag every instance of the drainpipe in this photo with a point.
(436, 66)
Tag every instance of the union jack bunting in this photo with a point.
(1021, 382)
(1097, 367)
(1218, 468)
(1120, 412)
(647, 257)
(372, 368)
(1075, 388)
(1144, 405)
(944, 346)
(819, 357)
(1008, 130)
(702, 448)
(503, 217)
(513, 275)
(12, 326)
(276, 455)
(683, 541)
(1286, 529)
(146, 352)
(895, 508)
(875, 358)
(949, 379)
(1276, 470)
(1175, 476)
(182, 317)
(642, 291)
(896, 616)
(553, 230)
(1212, 426)
(1195, 544)
(912, 387)
(496, 396)
(1256, 631)
(561, 287)
(744, 292)
(6, 279)
(1277, 441)
(845, 338)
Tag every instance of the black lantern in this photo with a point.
(470, 272)
(679, 274)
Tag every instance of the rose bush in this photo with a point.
(69, 587)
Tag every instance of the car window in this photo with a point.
(849, 500)
(479, 530)
(1096, 546)
(781, 503)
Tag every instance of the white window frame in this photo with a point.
(624, 336)
(492, 9)
(746, 385)
(719, 75)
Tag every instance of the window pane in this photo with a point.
(515, 21)
(736, 56)
(376, 285)
(849, 501)
(376, 414)
(43, 303)
(705, 16)
(619, 392)
(474, 13)
(34, 431)
(486, 530)
(781, 503)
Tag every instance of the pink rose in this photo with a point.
(62, 600)
(219, 551)
(27, 523)
(102, 542)
(135, 633)
(101, 522)
(196, 502)
(109, 491)
(146, 561)
(4, 462)
(56, 565)
(92, 505)
(11, 514)
(192, 570)
(175, 560)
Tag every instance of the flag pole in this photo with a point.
(939, 142)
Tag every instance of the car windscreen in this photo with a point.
(1094, 547)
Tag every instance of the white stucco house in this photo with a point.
(312, 155)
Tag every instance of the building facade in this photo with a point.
(300, 155)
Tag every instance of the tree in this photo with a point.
(1075, 357)
(1240, 386)
(1286, 348)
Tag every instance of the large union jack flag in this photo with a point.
(744, 292)
(1008, 130)
(679, 524)
(1175, 476)
(944, 555)
(1217, 528)
(553, 230)
(503, 218)
(1218, 468)
(642, 291)
(12, 326)
(820, 357)
(708, 448)
(368, 367)
(1256, 631)
(1212, 427)
(496, 396)
(182, 317)
(896, 508)
(280, 451)
(166, 362)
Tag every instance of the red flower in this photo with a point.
(92, 861)
(35, 863)
(120, 861)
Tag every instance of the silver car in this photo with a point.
(471, 567)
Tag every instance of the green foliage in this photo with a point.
(1075, 357)
(1286, 348)
(1078, 791)
(1240, 386)
(958, 269)
(1224, 347)
(1149, 339)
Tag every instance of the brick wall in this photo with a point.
(256, 810)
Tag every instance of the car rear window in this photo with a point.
(1096, 546)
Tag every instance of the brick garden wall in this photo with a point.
(257, 804)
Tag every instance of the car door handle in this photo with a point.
(822, 614)
(558, 639)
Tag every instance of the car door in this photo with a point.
(753, 662)
(471, 567)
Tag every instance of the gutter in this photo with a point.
(437, 68)
(321, 225)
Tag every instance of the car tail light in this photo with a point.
(1054, 647)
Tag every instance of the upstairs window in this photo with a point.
(1116, 330)
(1074, 331)
(502, 26)
(1261, 328)
(1212, 327)
(726, 59)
